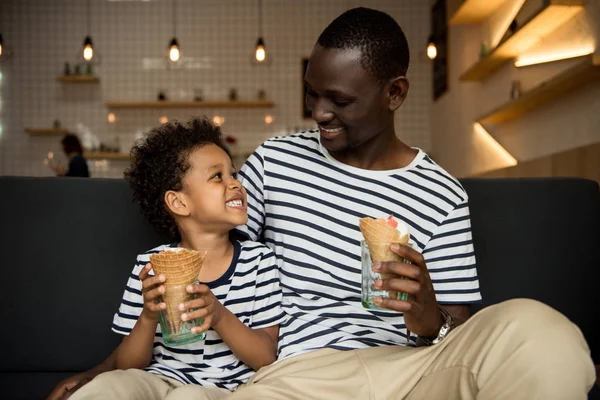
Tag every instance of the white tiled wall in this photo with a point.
(216, 39)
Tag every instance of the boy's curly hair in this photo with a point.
(159, 163)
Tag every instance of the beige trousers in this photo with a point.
(519, 349)
(135, 384)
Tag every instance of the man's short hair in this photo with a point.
(379, 38)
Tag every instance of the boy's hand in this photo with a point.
(210, 308)
(152, 288)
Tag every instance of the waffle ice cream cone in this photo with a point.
(180, 268)
(378, 234)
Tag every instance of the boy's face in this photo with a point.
(215, 199)
(347, 102)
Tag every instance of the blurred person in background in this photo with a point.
(74, 152)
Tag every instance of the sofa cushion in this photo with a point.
(540, 239)
(68, 247)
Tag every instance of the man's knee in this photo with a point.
(532, 318)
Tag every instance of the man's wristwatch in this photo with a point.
(444, 330)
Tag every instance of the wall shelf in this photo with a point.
(583, 72)
(97, 155)
(47, 131)
(189, 104)
(552, 16)
(472, 11)
(78, 79)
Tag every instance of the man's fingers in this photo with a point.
(399, 285)
(409, 253)
(410, 271)
(396, 305)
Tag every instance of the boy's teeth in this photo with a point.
(234, 203)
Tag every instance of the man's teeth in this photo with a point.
(332, 130)
(234, 203)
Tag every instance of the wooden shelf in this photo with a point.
(47, 131)
(78, 79)
(584, 72)
(472, 11)
(553, 15)
(97, 155)
(189, 104)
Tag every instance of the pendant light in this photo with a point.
(173, 44)
(88, 54)
(260, 56)
(431, 48)
(1, 46)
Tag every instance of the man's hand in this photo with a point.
(421, 312)
(209, 308)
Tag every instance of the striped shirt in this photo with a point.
(307, 205)
(249, 289)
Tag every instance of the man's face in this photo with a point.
(347, 102)
(216, 199)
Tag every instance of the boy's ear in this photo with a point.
(398, 89)
(177, 203)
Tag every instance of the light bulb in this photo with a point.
(0, 49)
(88, 53)
(174, 50)
(431, 51)
(88, 50)
(268, 119)
(163, 119)
(261, 51)
(111, 118)
(260, 54)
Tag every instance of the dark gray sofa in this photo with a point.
(68, 245)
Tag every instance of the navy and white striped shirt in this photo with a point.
(249, 289)
(307, 206)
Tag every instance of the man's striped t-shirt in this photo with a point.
(249, 289)
(306, 206)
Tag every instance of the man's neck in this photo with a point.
(382, 153)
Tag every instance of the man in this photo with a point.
(306, 194)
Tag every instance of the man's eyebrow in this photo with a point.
(329, 92)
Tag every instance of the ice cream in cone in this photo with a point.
(379, 234)
(180, 268)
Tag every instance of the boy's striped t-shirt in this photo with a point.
(307, 205)
(249, 289)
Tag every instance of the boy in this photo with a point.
(184, 181)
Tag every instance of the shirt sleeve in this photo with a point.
(267, 303)
(252, 177)
(132, 303)
(450, 259)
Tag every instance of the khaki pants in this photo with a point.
(134, 384)
(519, 349)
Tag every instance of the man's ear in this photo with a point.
(397, 91)
(177, 203)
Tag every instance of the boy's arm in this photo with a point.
(135, 351)
(255, 347)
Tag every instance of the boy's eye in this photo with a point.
(217, 175)
(234, 175)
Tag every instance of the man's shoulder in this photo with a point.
(308, 139)
(430, 174)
